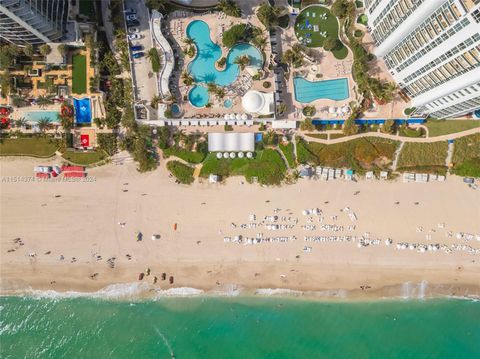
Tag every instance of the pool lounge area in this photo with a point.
(308, 91)
(203, 68)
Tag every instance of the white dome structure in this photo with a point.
(253, 101)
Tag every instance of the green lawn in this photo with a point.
(329, 25)
(79, 76)
(267, 166)
(188, 156)
(36, 146)
(466, 156)
(84, 158)
(359, 154)
(424, 157)
(336, 135)
(410, 132)
(288, 153)
(182, 172)
(445, 127)
(322, 136)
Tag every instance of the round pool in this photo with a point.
(175, 110)
(228, 103)
(198, 96)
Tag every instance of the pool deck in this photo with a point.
(218, 22)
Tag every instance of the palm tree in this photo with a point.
(44, 124)
(21, 122)
(45, 49)
(187, 78)
(260, 41)
(268, 15)
(188, 41)
(155, 101)
(220, 93)
(212, 87)
(43, 101)
(230, 8)
(28, 50)
(62, 49)
(242, 61)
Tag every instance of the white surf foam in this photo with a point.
(277, 291)
(178, 292)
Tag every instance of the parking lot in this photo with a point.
(143, 78)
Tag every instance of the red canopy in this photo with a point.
(85, 140)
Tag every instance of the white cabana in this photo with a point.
(231, 141)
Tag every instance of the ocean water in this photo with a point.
(238, 327)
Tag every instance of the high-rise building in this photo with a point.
(432, 49)
(32, 21)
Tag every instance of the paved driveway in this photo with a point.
(143, 78)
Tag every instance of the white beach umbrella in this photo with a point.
(249, 154)
(232, 116)
(241, 155)
(225, 155)
(332, 109)
(219, 155)
(244, 117)
(226, 116)
(232, 155)
(238, 116)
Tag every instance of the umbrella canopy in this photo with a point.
(238, 116)
(241, 155)
(232, 155)
(226, 116)
(332, 109)
(225, 155)
(249, 154)
(232, 116)
(219, 155)
(244, 116)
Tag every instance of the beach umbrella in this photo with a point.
(241, 155)
(244, 116)
(332, 109)
(232, 155)
(219, 155)
(249, 154)
(226, 116)
(238, 116)
(232, 116)
(225, 155)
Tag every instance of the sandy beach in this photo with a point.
(69, 231)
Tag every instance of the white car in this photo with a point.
(133, 30)
(131, 17)
(134, 36)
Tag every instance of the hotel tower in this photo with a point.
(32, 21)
(432, 49)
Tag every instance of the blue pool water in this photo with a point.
(198, 96)
(203, 67)
(228, 103)
(83, 112)
(35, 116)
(477, 113)
(175, 109)
(308, 91)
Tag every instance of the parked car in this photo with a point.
(130, 11)
(134, 36)
(138, 55)
(468, 180)
(133, 23)
(136, 48)
(131, 17)
(133, 30)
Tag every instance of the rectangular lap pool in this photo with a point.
(35, 116)
(308, 91)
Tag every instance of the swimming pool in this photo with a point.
(175, 109)
(308, 91)
(83, 111)
(202, 67)
(198, 96)
(35, 116)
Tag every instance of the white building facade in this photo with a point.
(432, 49)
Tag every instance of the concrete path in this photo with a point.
(395, 138)
(448, 159)
(294, 141)
(396, 156)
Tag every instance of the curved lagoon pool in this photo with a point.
(202, 67)
(308, 91)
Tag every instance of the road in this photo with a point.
(144, 79)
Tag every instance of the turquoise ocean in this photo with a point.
(238, 327)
